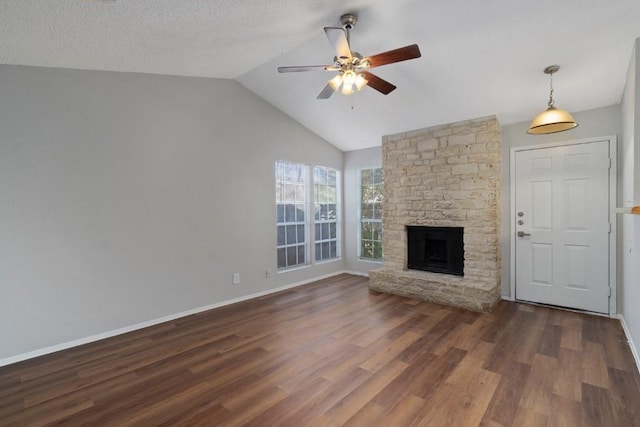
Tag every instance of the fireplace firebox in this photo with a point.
(435, 249)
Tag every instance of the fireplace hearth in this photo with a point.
(435, 249)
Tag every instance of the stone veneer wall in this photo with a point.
(446, 176)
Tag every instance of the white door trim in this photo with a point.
(612, 206)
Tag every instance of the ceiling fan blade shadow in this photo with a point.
(326, 92)
(296, 69)
(375, 82)
(338, 39)
(395, 55)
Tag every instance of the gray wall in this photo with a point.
(592, 123)
(629, 225)
(130, 197)
(353, 162)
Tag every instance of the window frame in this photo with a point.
(361, 220)
(306, 224)
(337, 221)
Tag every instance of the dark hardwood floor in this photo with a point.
(332, 353)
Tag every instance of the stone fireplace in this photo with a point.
(441, 191)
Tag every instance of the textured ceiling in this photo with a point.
(478, 58)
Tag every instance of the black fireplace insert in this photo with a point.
(435, 249)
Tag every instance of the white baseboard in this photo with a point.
(131, 328)
(632, 345)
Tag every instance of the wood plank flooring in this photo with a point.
(331, 354)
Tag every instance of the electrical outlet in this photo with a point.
(236, 278)
(267, 273)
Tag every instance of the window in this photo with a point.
(291, 210)
(326, 216)
(297, 230)
(371, 182)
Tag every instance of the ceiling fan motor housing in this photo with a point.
(348, 21)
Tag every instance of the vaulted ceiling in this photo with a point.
(478, 57)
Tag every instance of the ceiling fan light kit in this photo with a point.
(551, 120)
(351, 66)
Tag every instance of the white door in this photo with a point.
(562, 226)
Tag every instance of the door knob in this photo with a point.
(523, 234)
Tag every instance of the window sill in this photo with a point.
(327, 261)
(295, 268)
(373, 261)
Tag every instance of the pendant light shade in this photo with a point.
(551, 120)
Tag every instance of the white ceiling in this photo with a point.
(478, 57)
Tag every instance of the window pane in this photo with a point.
(367, 177)
(323, 212)
(325, 231)
(367, 210)
(289, 193)
(332, 249)
(292, 253)
(322, 176)
(377, 176)
(377, 250)
(366, 232)
(299, 213)
(325, 250)
(290, 172)
(377, 211)
(318, 232)
(282, 257)
(281, 235)
(291, 235)
(300, 233)
(377, 231)
(300, 193)
(365, 249)
(301, 255)
(318, 251)
(332, 178)
(331, 194)
(332, 214)
(290, 213)
(332, 230)
(280, 213)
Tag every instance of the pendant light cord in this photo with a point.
(550, 104)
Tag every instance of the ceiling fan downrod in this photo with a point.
(348, 21)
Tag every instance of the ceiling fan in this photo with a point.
(351, 66)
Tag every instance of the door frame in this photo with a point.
(613, 185)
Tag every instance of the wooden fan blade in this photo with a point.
(338, 39)
(377, 83)
(307, 68)
(396, 55)
(326, 92)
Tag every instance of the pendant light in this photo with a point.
(551, 120)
